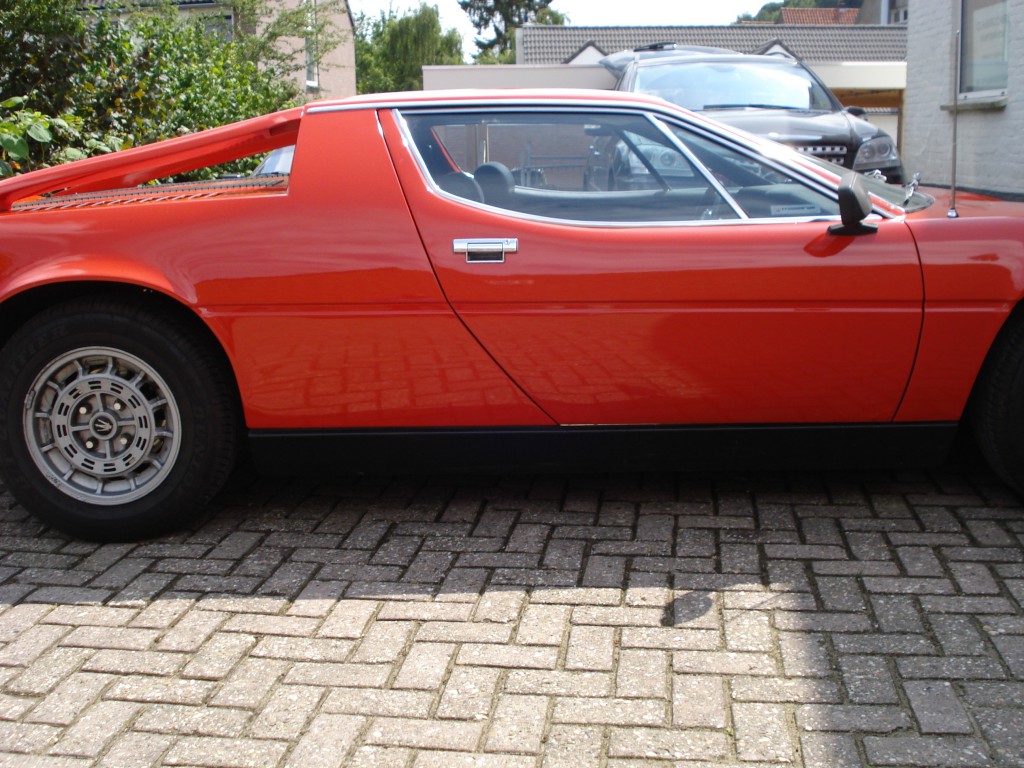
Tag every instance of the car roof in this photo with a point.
(648, 57)
(771, 58)
(618, 61)
(491, 98)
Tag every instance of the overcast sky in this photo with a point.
(589, 12)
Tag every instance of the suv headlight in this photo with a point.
(879, 152)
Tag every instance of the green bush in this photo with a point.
(86, 83)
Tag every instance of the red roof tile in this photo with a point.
(819, 15)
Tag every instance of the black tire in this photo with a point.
(997, 405)
(115, 422)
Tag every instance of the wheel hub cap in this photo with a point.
(102, 426)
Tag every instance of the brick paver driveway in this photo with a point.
(803, 619)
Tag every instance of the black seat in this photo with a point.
(461, 185)
(497, 183)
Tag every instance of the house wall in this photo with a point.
(990, 154)
(337, 72)
(870, 12)
(882, 12)
(336, 76)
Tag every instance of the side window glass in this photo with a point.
(587, 167)
(758, 189)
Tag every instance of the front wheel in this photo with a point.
(115, 422)
(997, 407)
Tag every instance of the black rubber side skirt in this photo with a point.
(618, 448)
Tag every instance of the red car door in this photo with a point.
(711, 301)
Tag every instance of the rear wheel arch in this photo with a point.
(121, 415)
(21, 307)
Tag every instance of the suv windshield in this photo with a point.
(701, 85)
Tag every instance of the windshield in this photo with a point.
(892, 193)
(701, 85)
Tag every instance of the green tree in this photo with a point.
(30, 139)
(391, 50)
(103, 81)
(278, 34)
(42, 46)
(501, 17)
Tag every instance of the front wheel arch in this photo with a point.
(995, 408)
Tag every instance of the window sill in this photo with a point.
(983, 104)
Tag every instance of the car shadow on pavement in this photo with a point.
(810, 619)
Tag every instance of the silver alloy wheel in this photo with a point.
(102, 426)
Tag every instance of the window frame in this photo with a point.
(662, 123)
(310, 47)
(968, 11)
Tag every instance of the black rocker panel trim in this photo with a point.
(601, 448)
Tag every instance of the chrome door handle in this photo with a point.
(483, 249)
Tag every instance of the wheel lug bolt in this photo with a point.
(90, 444)
(124, 441)
(117, 406)
(83, 410)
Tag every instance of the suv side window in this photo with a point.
(586, 167)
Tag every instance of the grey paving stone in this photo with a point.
(1002, 731)
(327, 742)
(425, 666)
(852, 718)
(69, 699)
(217, 752)
(99, 725)
(926, 751)
(830, 750)
(611, 711)
(699, 701)
(867, 680)
(187, 720)
(591, 648)
(615, 621)
(457, 735)
(665, 744)
(1012, 651)
(937, 707)
(762, 733)
(518, 724)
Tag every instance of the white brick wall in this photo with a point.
(991, 142)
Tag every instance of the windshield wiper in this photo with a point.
(911, 187)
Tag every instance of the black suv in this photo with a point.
(773, 96)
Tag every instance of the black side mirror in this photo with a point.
(854, 207)
(856, 111)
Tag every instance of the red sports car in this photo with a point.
(538, 279)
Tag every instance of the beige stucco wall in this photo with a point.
(516, 76)
(337, 71)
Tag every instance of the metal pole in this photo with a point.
(952, 213)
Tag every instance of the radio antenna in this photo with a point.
(952, 213)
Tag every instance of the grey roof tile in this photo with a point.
(544, 44)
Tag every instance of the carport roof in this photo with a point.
(545, 44)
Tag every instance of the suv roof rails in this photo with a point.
(663, 46)
(618, 61)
